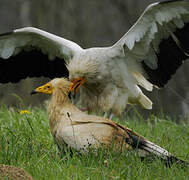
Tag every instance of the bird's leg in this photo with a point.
(84, 109)
(109, 115)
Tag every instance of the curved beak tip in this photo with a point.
(33, 92)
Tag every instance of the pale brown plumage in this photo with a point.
(73, 128)
(12, 172)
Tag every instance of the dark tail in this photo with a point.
(152, 149)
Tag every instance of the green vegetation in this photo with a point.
(25, 141)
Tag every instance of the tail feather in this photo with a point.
(153, 149)
(145, 102)
(142, 81)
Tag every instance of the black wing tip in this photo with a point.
(7, 33)
(134, 141)
(17, 68)
(169, 1)
(169, 162)
(174, 160)
(138, 142)
(175, 55)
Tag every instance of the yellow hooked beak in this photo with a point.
(45, 89)
(76, 84)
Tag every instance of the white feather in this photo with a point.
(28, 37)
(152, 27)
(151, 60)
(7, 50)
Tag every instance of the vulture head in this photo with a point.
(82, 72)
(57, 84)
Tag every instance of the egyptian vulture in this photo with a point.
(75, 129)
(108, 77)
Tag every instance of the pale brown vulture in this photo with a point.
(73, 128)
(147, 55)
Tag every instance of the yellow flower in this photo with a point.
(25, 112)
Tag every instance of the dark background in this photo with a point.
(88, 23)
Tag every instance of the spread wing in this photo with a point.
(159, 40)
(31, 52)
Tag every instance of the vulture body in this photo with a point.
(108, 77)
(73, 128)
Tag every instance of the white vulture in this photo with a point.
(108, 77)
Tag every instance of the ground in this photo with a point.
(25, 141)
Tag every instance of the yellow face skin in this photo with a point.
(48, 87)
(45, 89)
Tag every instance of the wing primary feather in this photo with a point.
(169, 1)
(183, 37)
(140, 143)
(7, 33)
(164, 26)
(173, 51)
(31, 64)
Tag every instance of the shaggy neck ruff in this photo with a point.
(60, 96)
(58, 101)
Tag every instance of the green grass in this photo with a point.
(25, 141)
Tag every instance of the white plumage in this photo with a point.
(148, 54)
